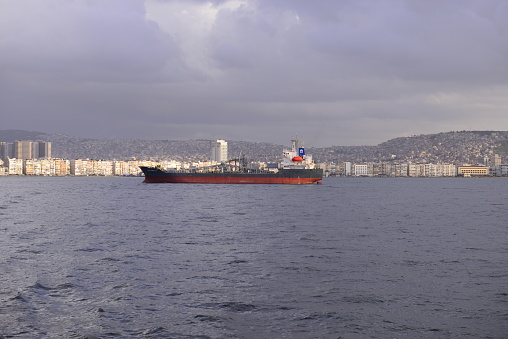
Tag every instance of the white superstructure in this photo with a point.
(296, 156)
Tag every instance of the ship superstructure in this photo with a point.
(296, 156)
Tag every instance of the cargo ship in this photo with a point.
(297, 168)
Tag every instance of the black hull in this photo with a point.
(284, 176)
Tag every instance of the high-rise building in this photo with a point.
(347, 168)
(219, 151)
(23, 150)
(44, 149)
(495, 160)
(6, 150)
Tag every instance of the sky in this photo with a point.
(334, 73)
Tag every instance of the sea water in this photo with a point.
(92, 257)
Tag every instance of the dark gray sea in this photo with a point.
(351, 258)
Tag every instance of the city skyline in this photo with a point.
(90, 167)
(25, 149)
(457, 147)
(335, 73)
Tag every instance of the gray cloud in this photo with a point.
(334, 72)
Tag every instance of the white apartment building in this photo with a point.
(219, 151)
(401, 170)
(361, 170)
(500, 170)
(348, 168)
(15, 166)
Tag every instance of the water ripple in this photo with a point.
(352, 258)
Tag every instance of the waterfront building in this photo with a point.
(401, 170)
(94, 167)
(77, 167)
(440, 170)
(45, 167)
(15, 166)
(379, 169)
(61, 166)
(120, 168)
(89, 167)
(29, 167)
(430, 170)
(361, 170)
(102, 167)
(134, 167)
(468, 170)
(500, 171)
(416, 170)
(449, 170)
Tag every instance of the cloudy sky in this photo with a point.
(349, 72)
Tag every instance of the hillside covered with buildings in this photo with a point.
(450, 147)
(464, 147)
(392, 158)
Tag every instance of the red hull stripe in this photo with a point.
(230, 180)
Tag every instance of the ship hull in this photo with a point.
(284, 176)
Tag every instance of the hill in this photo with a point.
(448, 147)
(463, 147)
(10, 135)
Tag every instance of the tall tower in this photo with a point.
(6, 150)
(219, 151)
(44, 149)
(23, 149)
